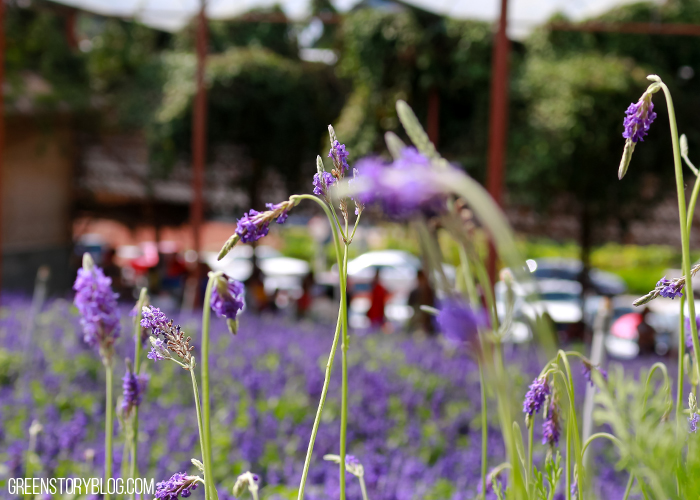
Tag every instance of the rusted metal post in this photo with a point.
(199, 132)
(2, 122)
(498, 120)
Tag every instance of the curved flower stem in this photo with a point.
(530, 439)
(691, 204)
(484, 430)
(197, 404)
(344, 389)
(667, 383)
(598, 435)
(685, 241)
(363, 488)
(342, 271)
(209, 485)
(109, 425)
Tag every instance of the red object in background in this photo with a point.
(378, 298)
(148, 260)
(625, 327)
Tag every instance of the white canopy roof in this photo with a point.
(171, 15)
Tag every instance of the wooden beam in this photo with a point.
(633, 28)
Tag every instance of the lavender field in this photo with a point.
(414, 408)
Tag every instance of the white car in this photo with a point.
(280, 273)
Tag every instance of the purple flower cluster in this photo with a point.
(323, 181)
(689, 333)
(403, 187)
(179, 484)
(693, 422)
(133, 386)
(339, 155)
(669, 288)
(587, 367)
(251, 227)
(227, 297)
(459, 322)
(550, 427)
(282, 218)
(535, 396)
(638, 119)
(97, 304)
(173, 338)
(157, 350)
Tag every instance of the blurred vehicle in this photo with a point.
(560, 299)
(398, 272)
(280, 273)
(603, 283)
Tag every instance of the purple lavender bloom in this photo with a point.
(97, 304)
(156, 351)
(693, 422)
(638, 119)
(403, 187)
(689, 333)
(339, 155)
(227, 297)
(153, 318)
(550, 427)
(669, 289)
(283, 216)
(459, 322)
(536, 395)
(586, 369)
(351, 460)
(134, 386)
(251, 228)
(179, 484)
(323, 181)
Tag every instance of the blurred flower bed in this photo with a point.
(414, 408)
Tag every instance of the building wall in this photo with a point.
(37, 183)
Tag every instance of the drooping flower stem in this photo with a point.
(342, 274)
(685, 240)
(109, 424)
(209, 485)
(681, 371)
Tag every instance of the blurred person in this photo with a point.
(646, 334)
(305, 302)
(421, 295)
(256, 296)
(378, 299)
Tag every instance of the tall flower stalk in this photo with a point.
(139, 339)
(97, 305)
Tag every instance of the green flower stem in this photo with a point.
(484, 429)
(137, 369)
(319, 410)
(363, 488)
(692, 203)
(568, 458)
(602, 435)
(342, 271)
(467, 278)
(573, 424)
(685, 241)
(197, 404)
(667, 383)
(530, 447)
(209, 486)
(628, 489)
(344, 389)
(109, 424)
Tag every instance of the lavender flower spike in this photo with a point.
(227, 300)
(638, 118)
(693, 422)
(459, 322)
(586, 369)
(536, 395)
(97, 304)
(339, 155)
(179, 484)
(255, 225)
(167, 337)
(134, 386)
(550, 427)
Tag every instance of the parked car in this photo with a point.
(603, 283)
(280, 272)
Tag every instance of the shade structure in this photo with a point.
(172, 15)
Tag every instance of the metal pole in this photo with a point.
(2, 121)
(498, 120)
(199, 132)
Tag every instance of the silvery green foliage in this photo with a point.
(553, 471)
(652, 446)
